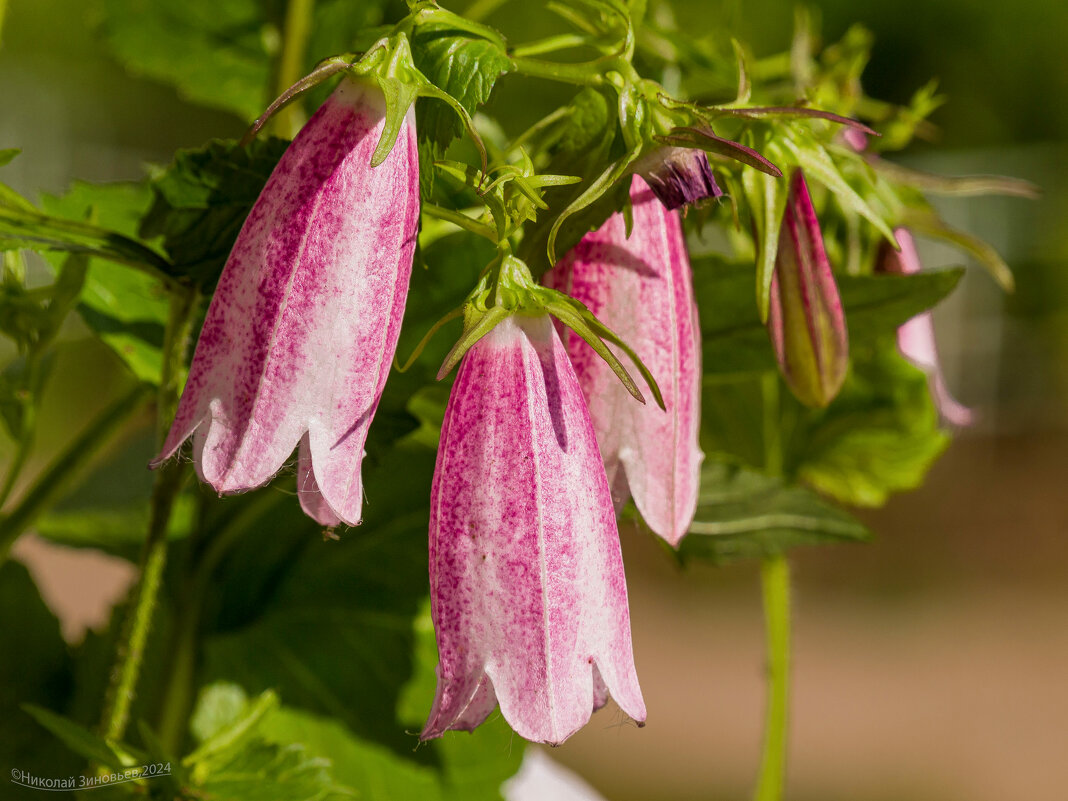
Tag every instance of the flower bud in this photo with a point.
(301, 331)
(527, 590)
(805, 319)
(679, 176)
(916, 339)
(641, 287)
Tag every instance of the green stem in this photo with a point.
(297, 28)
(550, 45)
(134, 638)
(775, 582)
(178, 701)
(3, 12)
(587, 74)
(480, 9)
(56, 480)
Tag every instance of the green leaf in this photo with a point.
(736, 342)
(767, 197)
(127, 309)
(744, 514)
(217, 53)
(77, 738)
(880, 436)
(464, 67)
(22, 227)
(7, 154)
(878, 304)
(202, 199)
(35, 669)
(818, 164)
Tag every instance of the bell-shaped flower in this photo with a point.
(805, 318)
(642, 288)
(916, 338)
(527, 590)
(301, 331)
(679, 176)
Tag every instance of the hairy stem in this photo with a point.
(775, 582)
(298, 21)
(138, 624)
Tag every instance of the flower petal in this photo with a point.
(528, 594)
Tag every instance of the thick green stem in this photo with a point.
(775, 581)
(134, 638)
(290, 119)
(56, 480)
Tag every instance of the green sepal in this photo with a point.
(389, 62)
(767, 200)
(705, 139)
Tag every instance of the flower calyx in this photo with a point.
(507, 288)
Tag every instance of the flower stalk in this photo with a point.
(134, 639)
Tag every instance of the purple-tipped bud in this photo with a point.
(679, 176)
(805, 318)
(302, 328)
(916, 339)
(641, 287)
(527, 590)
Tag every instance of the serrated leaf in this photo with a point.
(202, 199)
(744, 514)
(464, 67)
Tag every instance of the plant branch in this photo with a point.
(297, 27)
(132, 643)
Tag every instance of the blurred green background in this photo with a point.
(930, 664)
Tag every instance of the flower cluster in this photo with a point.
(541, 443)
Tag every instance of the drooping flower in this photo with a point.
(679, 176)
(527, 590)
(805, 318)
(301, 331)
(641, 287)
(916, 339)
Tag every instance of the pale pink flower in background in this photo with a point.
(641, 287)
(805, 318)
(301, 331)
(527, 590)
(916, 338)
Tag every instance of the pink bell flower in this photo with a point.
(805, 318)
(642, 288)
(301, 331)
(916, 339)
(527, 590)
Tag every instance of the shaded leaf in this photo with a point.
(744, 514)
(202, 199)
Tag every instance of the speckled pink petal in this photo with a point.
(642, 288)
(302, 328)
(806, 323)
(916, 338)
(527, 589)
